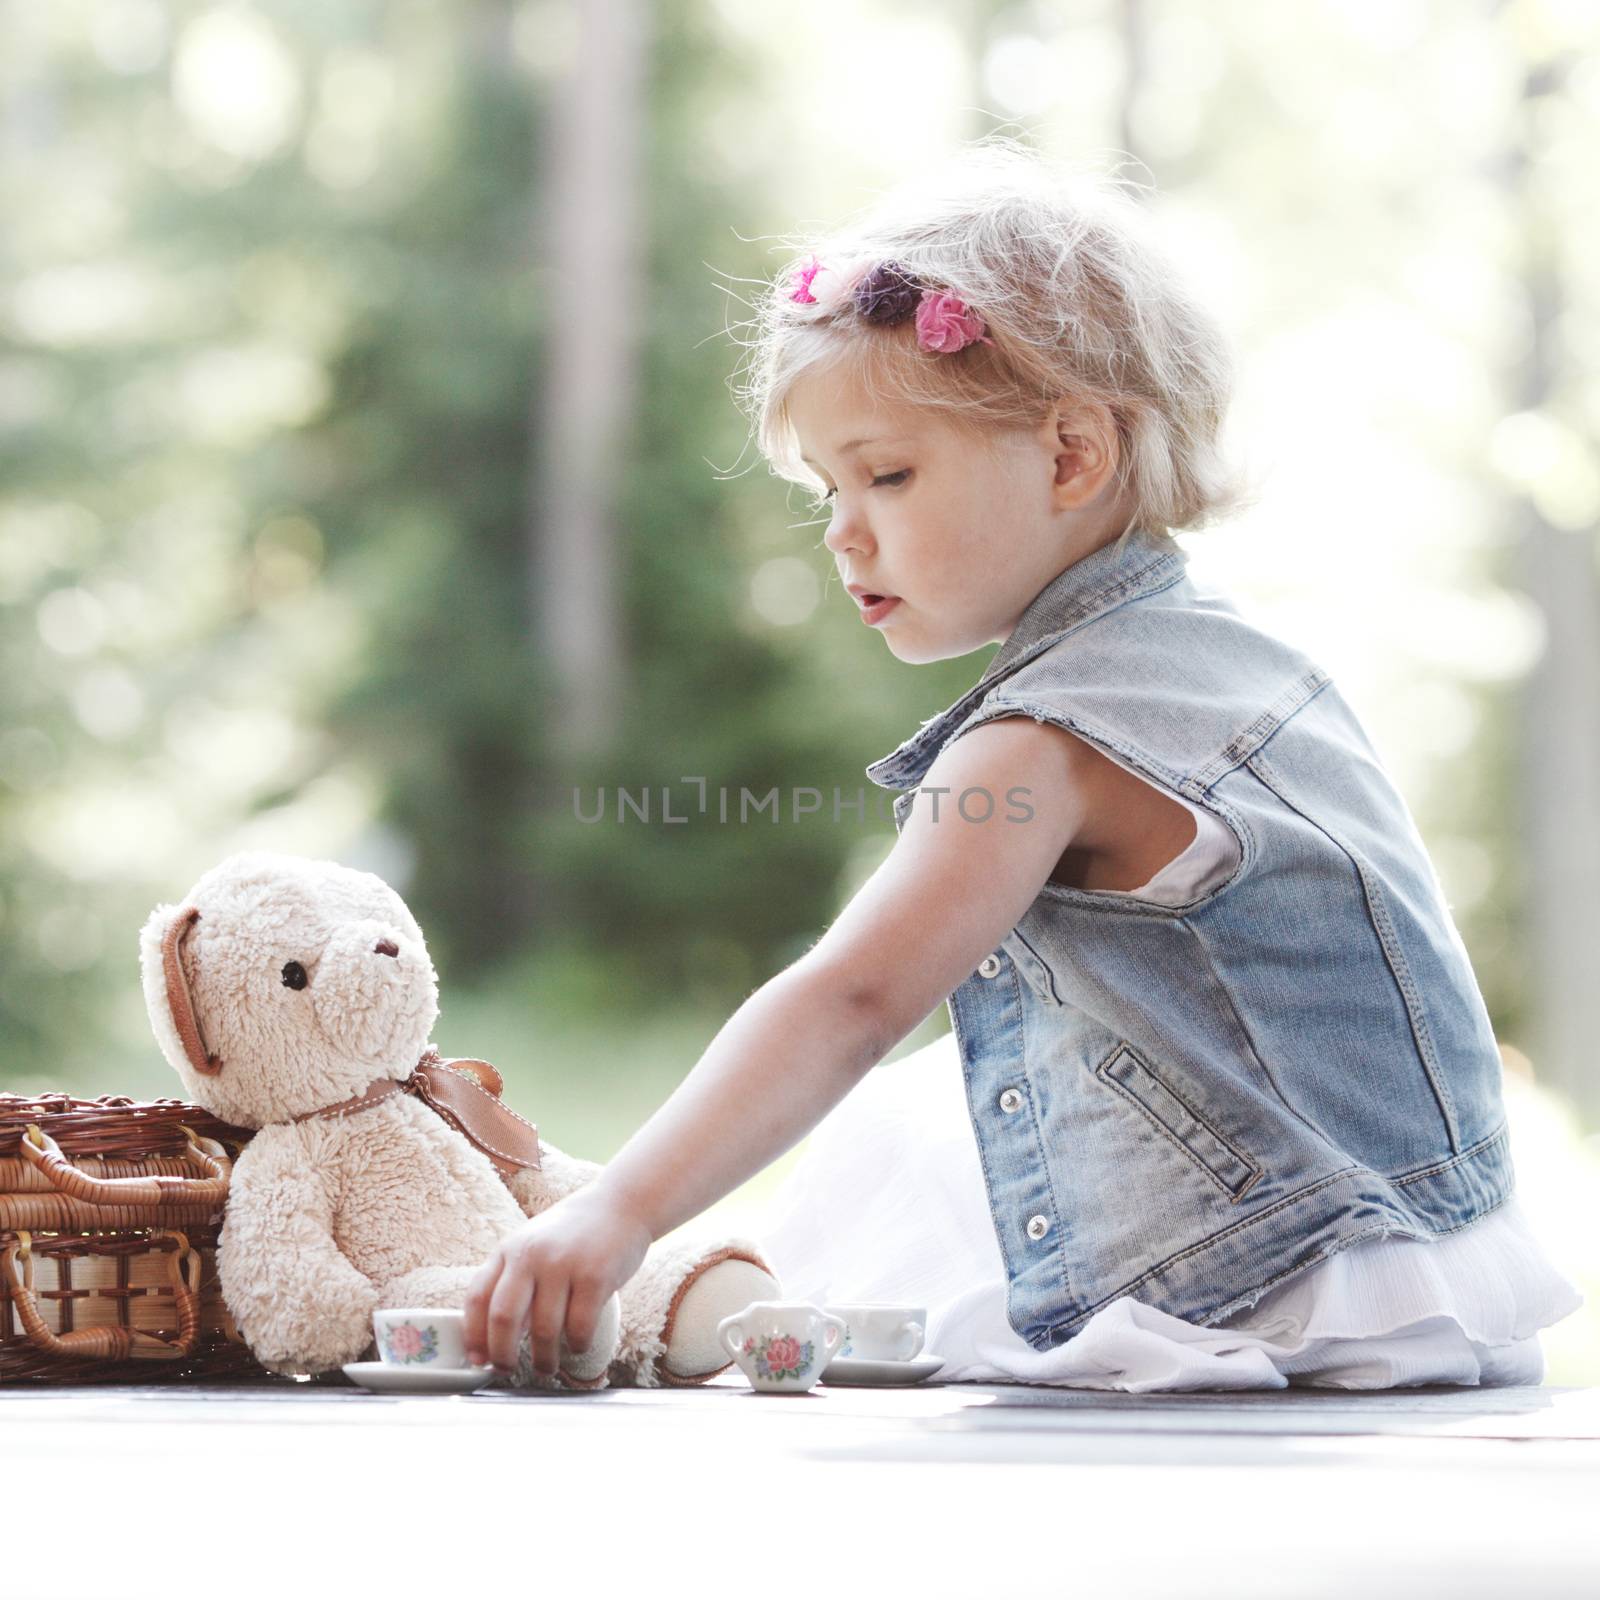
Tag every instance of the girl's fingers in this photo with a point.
(583, 1313)
(508, 1312)
(545, 1325)
(476, 1323)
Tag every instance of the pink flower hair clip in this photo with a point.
(945, 322)
(887, 294)
(804, 274)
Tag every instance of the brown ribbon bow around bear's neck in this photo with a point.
(466, 1094)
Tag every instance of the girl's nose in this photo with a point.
(845, 533)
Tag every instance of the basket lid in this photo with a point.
(112, 1125)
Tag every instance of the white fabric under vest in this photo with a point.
(887, 1204)
(1210, 857)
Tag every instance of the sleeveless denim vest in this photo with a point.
(1190, 1104)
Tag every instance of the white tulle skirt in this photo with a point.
(887, 1203)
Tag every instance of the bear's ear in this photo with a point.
(166, 986)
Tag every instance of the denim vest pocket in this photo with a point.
(1126, 1071)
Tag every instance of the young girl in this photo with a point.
(1222, 1104)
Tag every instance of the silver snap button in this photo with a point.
(1010, 1100)
(988, 966)
(1038, 1227)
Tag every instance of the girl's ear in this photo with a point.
(166, 988)
(1083, 443)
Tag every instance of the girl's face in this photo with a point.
(960, 534)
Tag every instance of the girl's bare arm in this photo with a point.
(949, 891)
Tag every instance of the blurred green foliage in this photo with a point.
(273, 394)
(265, 539)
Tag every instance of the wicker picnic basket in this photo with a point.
(110, 1211)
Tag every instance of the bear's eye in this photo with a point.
(294, 975)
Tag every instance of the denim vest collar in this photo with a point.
(1138, 564)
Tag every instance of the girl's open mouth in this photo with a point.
(875, 607)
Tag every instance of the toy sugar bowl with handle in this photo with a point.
(781, 1345)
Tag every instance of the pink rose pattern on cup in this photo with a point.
(411, 1346)
(780, 1356)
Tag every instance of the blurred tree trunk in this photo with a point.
(584, 412)
(30, 117)
(975, 24)
(1559, 770)
(1132, 25)
(1129, 19)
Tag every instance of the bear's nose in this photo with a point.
(386, 947)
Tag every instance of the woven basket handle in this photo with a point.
(113, 1343)
(205, 1155)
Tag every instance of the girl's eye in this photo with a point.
(892, 480)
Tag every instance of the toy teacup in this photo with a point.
(881, 1332)
(420, 1337)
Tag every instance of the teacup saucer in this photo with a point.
(847, 1369)
(382, 1378)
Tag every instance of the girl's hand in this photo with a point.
(553, 1275)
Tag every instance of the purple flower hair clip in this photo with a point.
(886, 295)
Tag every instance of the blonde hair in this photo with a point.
(1083, 305)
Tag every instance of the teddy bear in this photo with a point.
(296, 997)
